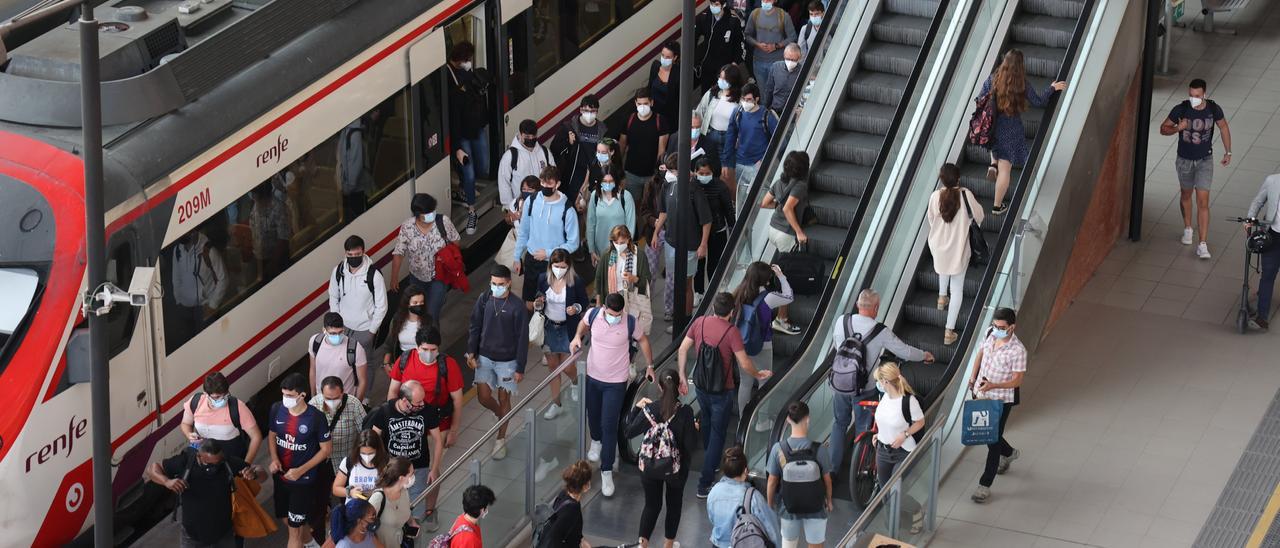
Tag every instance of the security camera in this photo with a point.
(140, 286)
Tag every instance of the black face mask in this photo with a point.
(354, 262)
(548, 191)
(418, 310)
(528, 143)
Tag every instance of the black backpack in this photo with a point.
(906, 414)
(191, 463)
(544, 515)
(711, 374)
(804, 490)
(351, 353)
(850, 369)
(564, 224)
(368, 276)
(515, 161)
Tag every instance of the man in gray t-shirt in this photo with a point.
(810, 521)
(787, 198)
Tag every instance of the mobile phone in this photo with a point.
(411, 530)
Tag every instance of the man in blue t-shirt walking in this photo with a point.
(299, 442)
(1193, 121)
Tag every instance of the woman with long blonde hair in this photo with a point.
(1013, 96)
(898, 417)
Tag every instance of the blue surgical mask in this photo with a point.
(695, 133)
(429, 217)
(766, 6)
(815, 20)
(880, 387)
(218, 403)
(1000, 333)
(715, 10)
(704, 179)
(666, 62)
(613, 320)
(333, 339)
(602, 157)
(498, 291)
(608, 187)
(722, 83)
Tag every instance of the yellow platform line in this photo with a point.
(1265, 520)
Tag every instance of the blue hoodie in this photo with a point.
(547, 226)
(748, 136)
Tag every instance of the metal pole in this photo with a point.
(530, 419)
(582, 414)
(683, 213)
(1166, 41)
(95, 236)
(1144, 119)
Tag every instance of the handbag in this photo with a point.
(981, 421)
(805, 272)
(450, 267)
(537, 328)
(978, 251)
(982, 120)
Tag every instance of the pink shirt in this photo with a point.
(215, 424)
(999, 363)
(331, 360)
(609, 359)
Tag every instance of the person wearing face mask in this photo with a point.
(643, 139)
(357, 473)
(352, 526)
(650, 202)
(441, 376)
(768, 30)
(525, 157)
(678, 418)
(497, 349)
(720, 199)
(358, 292)
(550, 223)
(809, 32)
(607, 207)
(468, 124)
(564, 528)
(411, 427)
(1193, 122)
(299, 442)
(898, 418)
(411, 315)
(624, 269)
(507, 253)
(202, 477)
(746, 141)
(608, 369)
(718, 105)
(419, 242)
(695, 230)
(606, 161)
(391, 501)
(1002, 361)
(699, 146)
(561, 298)
(217, 415)
(664, 81)
(782, 79)
(576, 145)
(465, 531)
(718, 35)
(344, 415)
(333, 353)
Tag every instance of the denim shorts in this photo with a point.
(499, 375)
(691, 264)
(1197, 174)
(815, 529)
(556, 338)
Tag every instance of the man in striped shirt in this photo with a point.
(1002, 361)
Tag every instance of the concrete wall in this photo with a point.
(1092, 205)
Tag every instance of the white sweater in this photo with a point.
(360, 310)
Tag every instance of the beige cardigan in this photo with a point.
(949, 242)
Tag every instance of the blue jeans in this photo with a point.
(760, 69)
(436, 291)
(604, 410)
(713, 413)
(1267, 282)
(478, 166)
(845, 407)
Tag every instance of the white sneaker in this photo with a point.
(606, 484)
(1202, 251)
(1187, 235)
(544, 468)
(499, 449)
(593, 453)
(573, 393)
(552, 412)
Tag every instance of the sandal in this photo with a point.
(998, 209)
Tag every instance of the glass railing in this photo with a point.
(968, 32)
(918, 479)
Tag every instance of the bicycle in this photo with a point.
(862, 462)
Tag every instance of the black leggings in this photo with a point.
(653, 504)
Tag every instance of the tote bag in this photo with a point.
(981, 421)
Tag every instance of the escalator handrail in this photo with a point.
(851, 236)
(989, 274)
(771, 154)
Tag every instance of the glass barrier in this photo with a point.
(917, 480)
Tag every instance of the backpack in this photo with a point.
(233, 408)
(351, 353)
(657, 121)
(368, 276)
(906, 414)
(755, 18)
(544, 515)
(764, 120)
(443, 540)
(754, 331)
(659, 456)
(515, 161)
(711, 374)
(803, 488)
(191, 463)
(748, 531)
(442, 374)
(631, 330)
(564, 224)
(850, 370)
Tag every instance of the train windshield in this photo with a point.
(26, 253)
(18, 290)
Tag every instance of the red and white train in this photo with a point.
(253, 113)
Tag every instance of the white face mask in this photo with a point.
(465, 65)
(559, 271)
(588, 117)
(748, 105)
(621, 248)
(1196, 102)
(408, 481)
(332, 403)
(791, 65)
(367, 459)
(643, 110)
(290, 403)
(671, 176)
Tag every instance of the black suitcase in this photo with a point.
(806, 273)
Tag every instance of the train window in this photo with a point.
(518, 53)
(121, 320)
(595, 18)
(228, 257)
(548, 42)
(431, 101)
(21, 290)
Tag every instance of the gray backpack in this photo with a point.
(748, 532)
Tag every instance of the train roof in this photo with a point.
(231, 68)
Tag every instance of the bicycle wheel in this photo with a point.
(862, 477)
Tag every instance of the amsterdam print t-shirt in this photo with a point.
(298, 437)
(1196, 142)
(406, 433)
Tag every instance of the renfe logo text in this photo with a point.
(274, 152)
(62, 443)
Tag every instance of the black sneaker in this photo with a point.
(704, 492)
(471, 222)
(999, 209)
